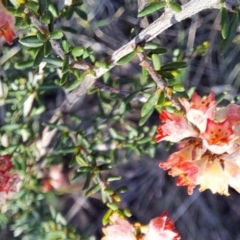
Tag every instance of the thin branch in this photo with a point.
(159, 81)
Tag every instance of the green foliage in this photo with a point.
(126, 58)
(151, 8)
(115, 126)
(150, 103)
(229, 36)
(175, 7)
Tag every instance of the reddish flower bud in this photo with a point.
(7, 22)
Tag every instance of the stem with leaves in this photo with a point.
(159, 81)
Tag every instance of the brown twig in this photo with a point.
(159, 81)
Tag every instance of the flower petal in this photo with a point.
(161, 228)
(7, 25)
(175, 129)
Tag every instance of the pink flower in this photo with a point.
(8, 180)
(233, 173)
(198, 110)
(199, 103)
(7, 22)
(219, 137)
(182, 164)
(120, 229)
(161, 228)
(218, 133)
(212, 176)
(175, 128)
(231, 112)
(5, 163)
(210, 157)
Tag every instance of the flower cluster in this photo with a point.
(7, 22)
(160, 228)
(8, 180)
(209, 145)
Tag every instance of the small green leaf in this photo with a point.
(221, 96)
(127, 212)
(146, 117)
(115, 135)
(166, 74)
(159, 50)
(114, 178)
(31, 41)
(105, 166)
(39, 57)
(92, 190)
(77, 176)
(151, 102)
(174, 66)
(45, 19)
(33, 5)
(109, 191)
(122, 189)
(19, 11)
(87, 181)
(152, 7)
(54, 62)
(126, 58)
(151, 46)
(74, 85)
(42, 6)
(65, 67)
(79, 75)
(178, 88)
(101, 64)
(11, 127)
(175, 7)
(81, 14)
(47, 49)
(144, 140)
(64, 78)
(66, 45)
(226, 43)
(156, 62)
(92, 57)
(85, 169)
(113, 206)
(122, 108)
(81, 161)
(23, 64)
(77, 3)
(57, 34)
(69, 13)
(42, 37)
(225, 23)
(106, 216)
(161, 99)
(53, 9)
(77, 51)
